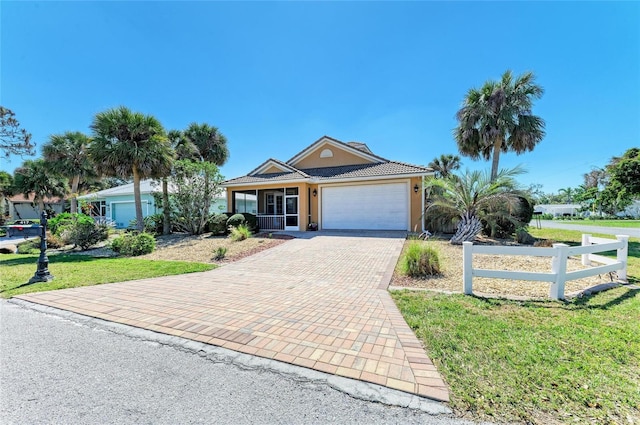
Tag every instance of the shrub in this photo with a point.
(544, 243)
(240, 233)
(85, 234)
(58, 223)
(235, 220)
(53, 241)
(420, 260)
(29, 247)
(505, 227)
(252, 222)
(132, 245)
(218, 224)
(546, 216)
(220, 253)
(153, 224)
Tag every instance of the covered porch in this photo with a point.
(277, 208)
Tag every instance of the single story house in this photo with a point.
(18, 207)
(558, 210)
(332, 185)
(118, 205)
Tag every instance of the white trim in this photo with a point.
(272, 163)
(278, 183)
(326, 153)
(345, 147)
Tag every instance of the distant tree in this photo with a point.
(567, 194)
(6, 190)
(67, 155)
(444, 164)
(497, 118)
(130, 144)
(13, 139)
(626, 171)
(36, 177)
(471, 197)
(595, 178)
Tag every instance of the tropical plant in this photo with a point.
(13, 139)
(130, 144)
(85, 234)
(420, 260)
(445, 164)
(36, 177)
(67, 155)
(567, 194)
(497, 118)
(211, 146)
(471, 197)
(240, 233)
(190, 180)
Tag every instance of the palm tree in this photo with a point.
(443, 165)
(567, 194)
(67, 155)
(130, 144)
(211, 145)
(498, 118)
(35, 176)
(472, 197)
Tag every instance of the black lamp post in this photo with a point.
(42, 274)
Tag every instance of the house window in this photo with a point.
(273, 203)
(245, 201)
(327, 153)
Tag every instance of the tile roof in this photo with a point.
(390, 168)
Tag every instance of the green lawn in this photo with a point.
(634, 224)
(71, 271)
(534, 362)
(574, 237)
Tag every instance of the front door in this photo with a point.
(291, 209)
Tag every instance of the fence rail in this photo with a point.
(559, 254)
(271, 222)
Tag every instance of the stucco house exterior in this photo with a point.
(118, 205)
(336, 186)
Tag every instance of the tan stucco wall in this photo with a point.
(340, 157)
(416, 204)
(272, 170)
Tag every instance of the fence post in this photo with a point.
(467, 267)
(586, 261)
(622, 254)
(559, 268)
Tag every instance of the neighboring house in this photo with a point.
(335, 185)
(558, 210)
(118, 205)
(20, 208)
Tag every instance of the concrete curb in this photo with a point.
(356, 389)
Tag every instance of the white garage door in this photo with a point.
(366, 207)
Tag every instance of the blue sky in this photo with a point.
(276, 76)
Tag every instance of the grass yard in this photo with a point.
(71, 271)
(574, 237)
(534, 362)
(633, 224)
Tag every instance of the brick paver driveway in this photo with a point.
(319, 302)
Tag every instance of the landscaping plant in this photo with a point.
(220, 253)
(85, 234)
(132, 245)
(240, 233)
(236, 220)
(420, 260)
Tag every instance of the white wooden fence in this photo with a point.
(559, 254)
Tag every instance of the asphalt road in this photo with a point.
(588, 228)
(58, 370)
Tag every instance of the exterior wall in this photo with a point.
(273, 169)
(340, 157)
(315, 217)
(30, 211)
(417, 206)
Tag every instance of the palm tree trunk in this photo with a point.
(74, 194)
(468, 229)
(166, 213)
(41, 205)
(497, 145)
(137, 199)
